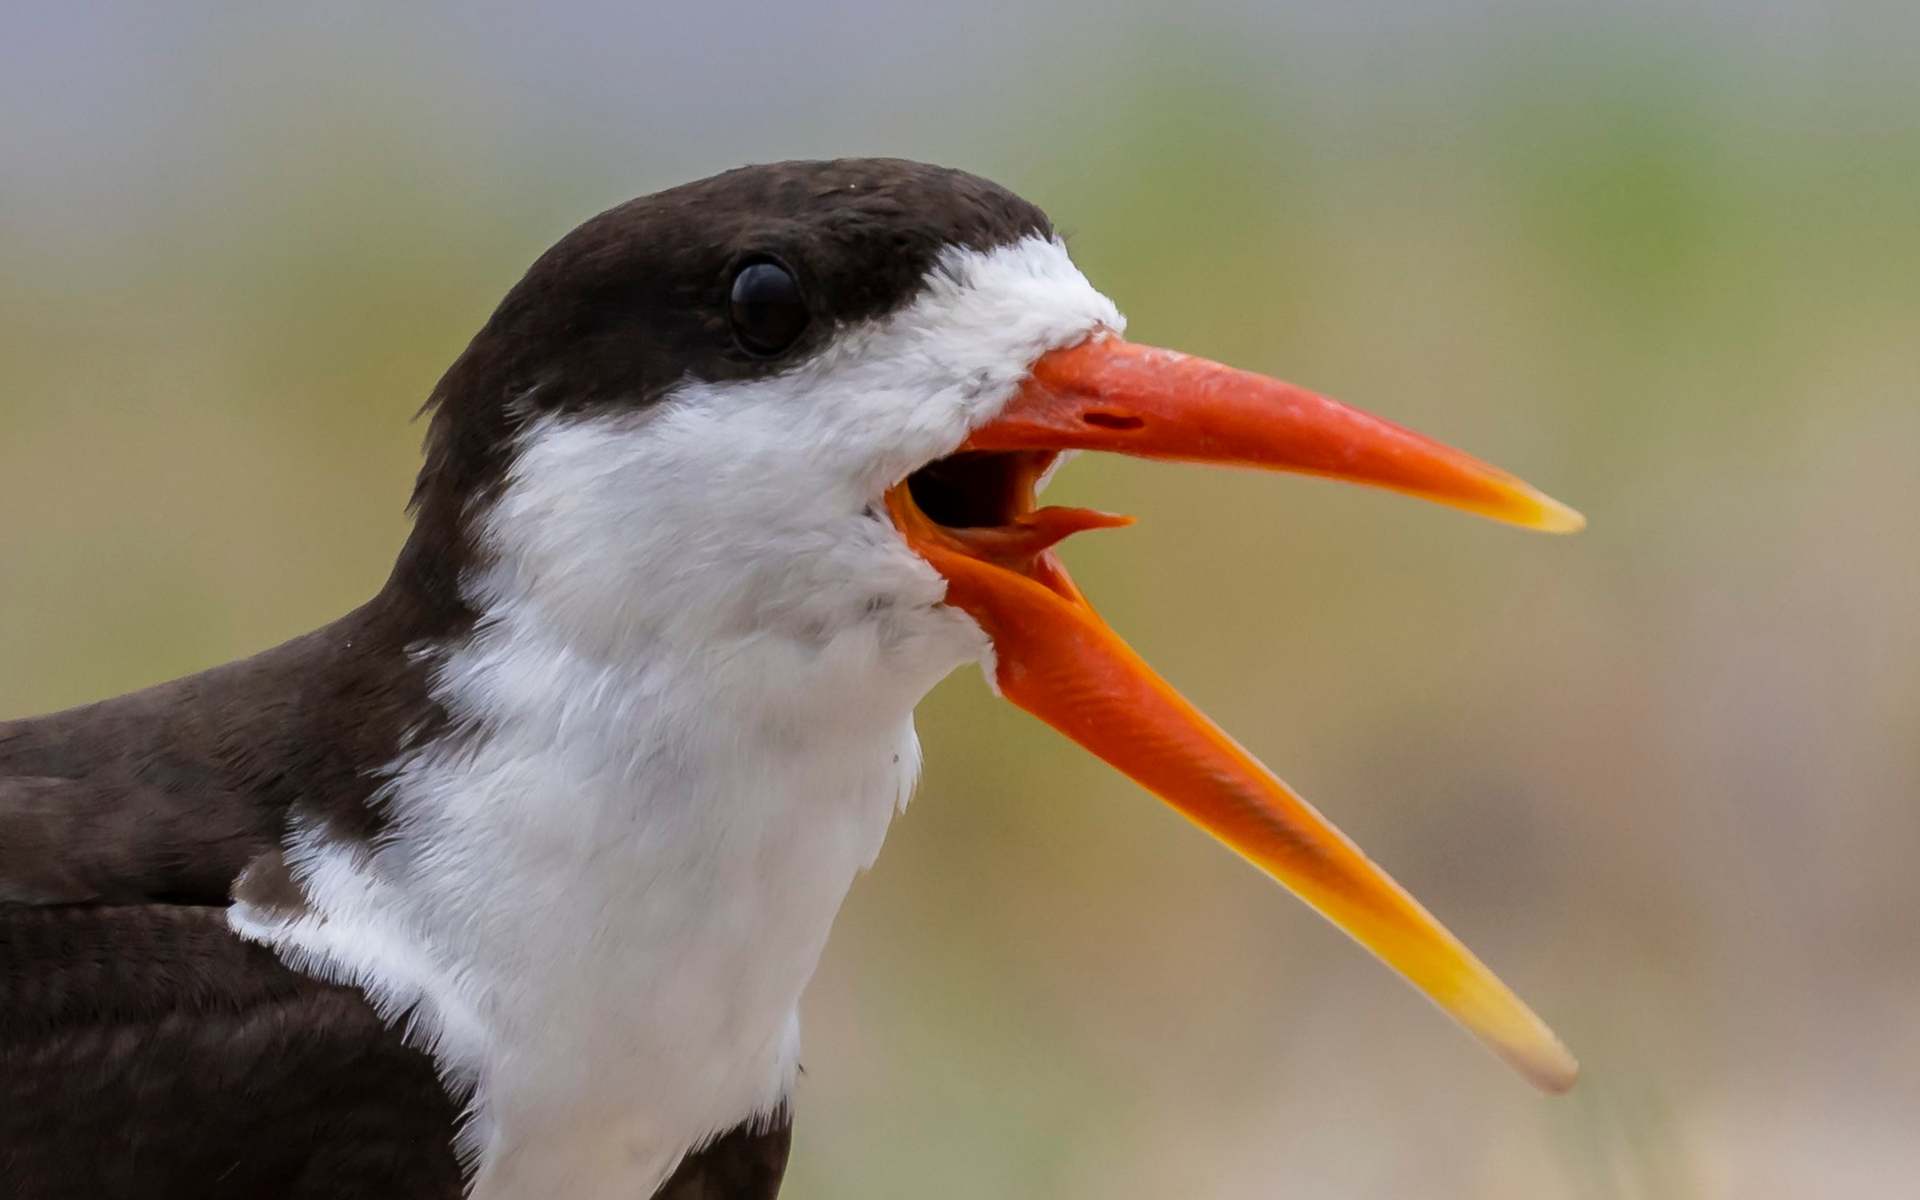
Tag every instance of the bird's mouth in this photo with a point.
(979, 504)
(972, 516)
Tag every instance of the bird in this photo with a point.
(508, 882)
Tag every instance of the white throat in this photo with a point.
(682, 726)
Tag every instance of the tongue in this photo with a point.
(1015, 546)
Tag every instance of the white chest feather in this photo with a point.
(602, 899)
(604, 918)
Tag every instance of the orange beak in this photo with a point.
(1055, 657)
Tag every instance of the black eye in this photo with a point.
(766, 308)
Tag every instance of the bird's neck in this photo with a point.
(605, 878)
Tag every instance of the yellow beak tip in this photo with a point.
(1547, 1065)
(1548, 515)
(1556, 1077)
(1561, 519)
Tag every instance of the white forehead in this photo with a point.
(883, 398)
(887, 395)
(985, 315)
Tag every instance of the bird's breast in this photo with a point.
(600, 904)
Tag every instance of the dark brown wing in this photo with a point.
(167, 793)
(743, 1164)
(147, 1052)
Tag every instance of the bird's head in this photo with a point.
(812, 404)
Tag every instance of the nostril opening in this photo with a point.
(1101, 420)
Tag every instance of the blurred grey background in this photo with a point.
(1663, 260)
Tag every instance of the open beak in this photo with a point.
(972, 517)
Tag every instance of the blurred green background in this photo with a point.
(1664, 261)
